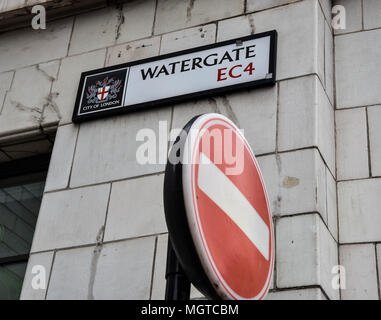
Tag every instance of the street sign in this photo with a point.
(220, 224)
(189, 74)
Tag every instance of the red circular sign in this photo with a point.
(227, 209)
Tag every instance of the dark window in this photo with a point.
(21, 188)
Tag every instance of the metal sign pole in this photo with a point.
(178, 285)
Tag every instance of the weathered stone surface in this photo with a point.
(28, 47)
(359, 210)
(9, 5)
(106, 27)
(326, 6)
(5, 85)
(39, 261)
(303, 105)
(298, 52)
(305, 241)
(298, 294)
(320, 48)
(96, 273)
(64, 90)
(131, 213)
(115, 158)
(133, 280)
(16, 14)
(295, 182)
(26, 101)
(257, 5)
(136, 21)
(179, 14)
(379, 264)
(158, 281)
(329, 61)
(258, 106)
(352, 144)
(372, 13)
(71, 274)
(353, 12)
(62, 158)
(188, 38)
(332, 205)
(132, 51)
(359, 262)
(71, 218)
(374, 116)
(357, 73)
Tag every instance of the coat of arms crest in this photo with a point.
(103, 91)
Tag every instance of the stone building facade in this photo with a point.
(101, 232)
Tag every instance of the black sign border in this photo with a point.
(182, 98)
(96, 74)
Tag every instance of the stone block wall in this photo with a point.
(358, 152)
(101, 232)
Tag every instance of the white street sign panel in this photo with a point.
(199, 72)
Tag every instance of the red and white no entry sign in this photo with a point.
(217, 211)
(227, 209)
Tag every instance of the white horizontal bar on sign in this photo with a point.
(219, 188)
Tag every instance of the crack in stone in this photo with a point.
(229, 111)
(214, 105)
(94, 263)
(251, 22)
(32, 110)
(121, 20)
(52, 104)
(49, 77)
(189, 9)
(278, 201)
(316, 195)
(2, 102)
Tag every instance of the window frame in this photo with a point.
(18, 168)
